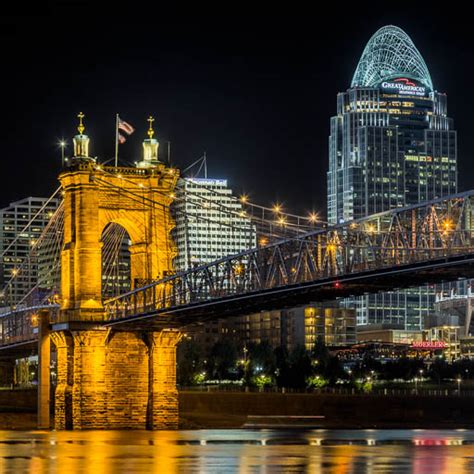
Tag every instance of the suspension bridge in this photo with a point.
(108, 299)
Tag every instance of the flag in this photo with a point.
(126, 127)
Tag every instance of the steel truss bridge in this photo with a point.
(423, 244)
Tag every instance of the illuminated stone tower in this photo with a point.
(108, 378)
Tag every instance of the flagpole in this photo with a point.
(116, 139)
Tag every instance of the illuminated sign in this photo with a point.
(208, 181)
(429, 345)
(404, 86)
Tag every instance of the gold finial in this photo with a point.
(81, 126)
(151, 132)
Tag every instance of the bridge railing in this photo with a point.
(20, 325)
(426, 232)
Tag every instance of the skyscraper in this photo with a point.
(16, 240)
(391, 145)
(210, 223)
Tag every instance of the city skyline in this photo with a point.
(253, 101)
(144, 295)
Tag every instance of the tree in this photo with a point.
(190, 362)
(262, 358)
(320, 352)
(293, 369)
(283, 368)
(333, 370)
(222, 360)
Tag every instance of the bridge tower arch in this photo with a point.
(109, 378)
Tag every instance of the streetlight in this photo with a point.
(62, 145)
(277, 208)
(459, 385)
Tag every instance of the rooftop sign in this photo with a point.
(404, 86)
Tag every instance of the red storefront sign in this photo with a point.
(429, 345)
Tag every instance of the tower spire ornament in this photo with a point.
(81, 141)
(150, 132)
(81, 126)
(150, 148)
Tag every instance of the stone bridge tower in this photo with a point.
(109, 378)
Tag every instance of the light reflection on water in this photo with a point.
(242, 451)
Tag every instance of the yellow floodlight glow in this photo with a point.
(313, 217)
(277, 208)
(448, 223)
(239, 269)
(244, 199)
(34, 320)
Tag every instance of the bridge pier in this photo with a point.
(89, 390)
(44, 371)
(163, 396)
(63, 394)
(116, 380)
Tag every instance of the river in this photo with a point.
(240, 451)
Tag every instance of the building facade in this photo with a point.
(391, 145)
(210, 223)
(18, 266)
(300, 326)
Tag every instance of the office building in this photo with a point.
(21, 224)
(210, 223)
(391, 145)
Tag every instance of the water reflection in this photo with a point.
(241, 451)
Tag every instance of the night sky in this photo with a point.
(254, 89)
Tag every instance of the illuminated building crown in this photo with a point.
(390, 53)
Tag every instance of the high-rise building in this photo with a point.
(288, 328)
(210, 223)
(391, 145)
(299, 326)
(17, 265)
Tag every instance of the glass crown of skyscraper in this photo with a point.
(390, 53)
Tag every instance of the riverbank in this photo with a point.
(231, 410)
(220, 410)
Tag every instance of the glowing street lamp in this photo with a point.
(447, 224)
(62, 144)
(313, 217)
